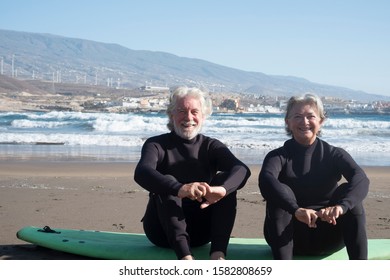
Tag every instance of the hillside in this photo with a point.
(34, 95)
(67, 60)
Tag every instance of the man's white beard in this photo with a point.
(187, 134)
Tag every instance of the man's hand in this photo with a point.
(194, 191)
(213, 195)
(202, 192)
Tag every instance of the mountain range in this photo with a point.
(69, 60)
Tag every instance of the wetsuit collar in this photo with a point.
(301, 147)
(191, 141)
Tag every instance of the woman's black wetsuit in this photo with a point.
(294, 176)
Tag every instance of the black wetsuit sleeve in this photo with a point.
(237, 172)
(358, 186)
(270, 186)
(147, 175)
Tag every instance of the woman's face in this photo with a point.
(304, 123)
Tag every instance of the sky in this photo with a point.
(335, 42)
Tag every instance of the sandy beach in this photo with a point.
(104, 196)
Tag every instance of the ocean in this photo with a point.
(69, 136)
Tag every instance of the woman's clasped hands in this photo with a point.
(327, 214)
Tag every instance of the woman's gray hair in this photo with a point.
(310, 99)
(181, 92)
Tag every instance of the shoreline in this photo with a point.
(103, 196)
(72, 153)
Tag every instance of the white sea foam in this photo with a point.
(247, 134)
(37, 124)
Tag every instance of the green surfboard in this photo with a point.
(132, 246)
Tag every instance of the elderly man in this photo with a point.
(192, 180)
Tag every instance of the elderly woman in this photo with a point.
(192, 180)
(307, 211)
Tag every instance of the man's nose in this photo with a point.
(188, 115)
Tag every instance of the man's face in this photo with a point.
(188, 117)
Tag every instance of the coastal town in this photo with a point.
(22, 95)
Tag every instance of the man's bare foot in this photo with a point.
(188, 257)
(217, 255)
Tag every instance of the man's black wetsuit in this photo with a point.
(169, 161)
(295, 176)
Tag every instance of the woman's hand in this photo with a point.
(330, 214)
(307, 216)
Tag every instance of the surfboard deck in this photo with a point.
(133, 246)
